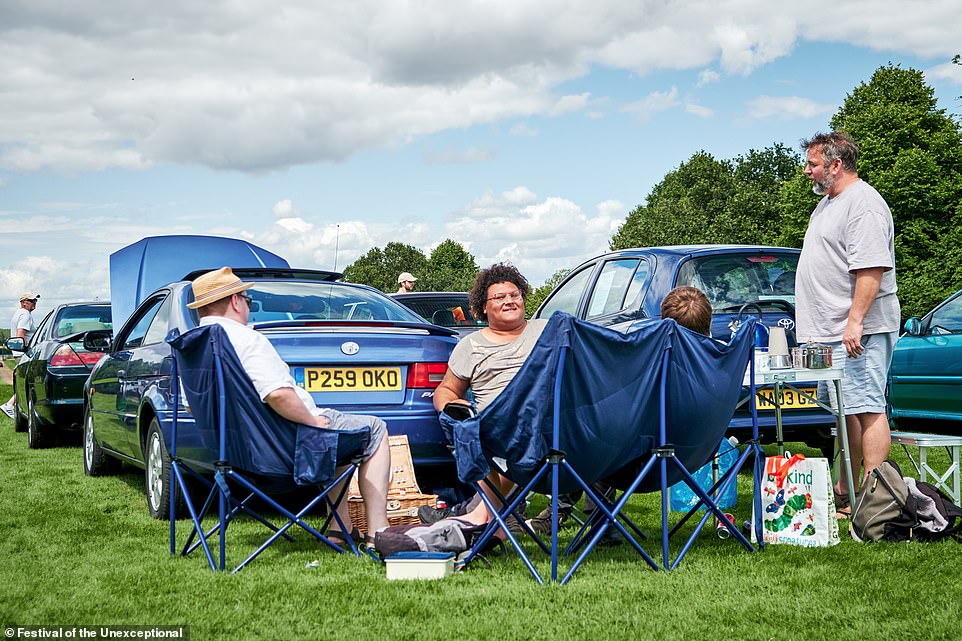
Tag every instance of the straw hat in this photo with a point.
(215, 285)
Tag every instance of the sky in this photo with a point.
(526, 130)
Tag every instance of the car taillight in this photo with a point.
(426, 375)
(65, 357)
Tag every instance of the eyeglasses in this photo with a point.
(248, 300)
(503, 298)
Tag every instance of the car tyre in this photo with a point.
(37, 436)
(96, 460)
(19, 420)
(158, 475)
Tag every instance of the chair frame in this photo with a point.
(612, 514)
(228, 506)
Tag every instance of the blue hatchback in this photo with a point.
(741, 281)
(352, 347)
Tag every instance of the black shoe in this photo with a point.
(429, 515)
(541, 524)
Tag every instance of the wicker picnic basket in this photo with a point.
(404, 497)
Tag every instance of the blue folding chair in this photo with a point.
(639, 410)
(248, 450)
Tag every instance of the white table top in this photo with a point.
(790, 375)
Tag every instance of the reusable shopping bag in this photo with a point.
(798, 506)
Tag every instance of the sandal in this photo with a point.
(338, 538)
(843, 507)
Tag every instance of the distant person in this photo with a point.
(405, 282)
(845, 295)
(21, 326)
(220, 298)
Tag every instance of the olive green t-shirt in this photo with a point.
(488, 367)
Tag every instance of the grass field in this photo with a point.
(81, 551)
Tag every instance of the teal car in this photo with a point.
(925, 380)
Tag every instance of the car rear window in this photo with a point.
(306, 300)
(446, 311)
(82, 318)
(731, 280)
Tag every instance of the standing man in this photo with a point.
(845, 294)
(405, 283)
(21, 326)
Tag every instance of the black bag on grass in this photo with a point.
(890, 507)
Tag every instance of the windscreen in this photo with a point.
(307, 300)
(731, 280)
(82, 318)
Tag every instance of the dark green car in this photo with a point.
(925, 380)
(48, 381)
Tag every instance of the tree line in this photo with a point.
(910, 150)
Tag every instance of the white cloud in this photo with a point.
(254, 89)
(468, 156)
(707, 77)
(948, 72)
(284, 208)
(653, 103)
(786, 107)
(699, 110)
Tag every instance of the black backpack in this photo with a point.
(889, 508)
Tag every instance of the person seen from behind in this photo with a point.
(220, 298)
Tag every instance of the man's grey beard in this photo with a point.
(823, 187)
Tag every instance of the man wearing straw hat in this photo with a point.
(845, 294)
(219, 297)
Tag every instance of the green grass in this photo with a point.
(83, 551)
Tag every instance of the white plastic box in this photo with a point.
(419, 565)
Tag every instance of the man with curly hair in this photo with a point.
(487, 360)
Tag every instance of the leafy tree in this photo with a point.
(451, 268)
(713, 201)
(911, 151)
(536, 297)
(380, 268)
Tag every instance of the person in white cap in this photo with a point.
(220, 297)
(21, 326)
(405, 282)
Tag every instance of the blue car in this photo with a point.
(925, 380)
(741, 281)
(352, 347)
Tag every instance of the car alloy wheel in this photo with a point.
(96, 461)
(158, 476)
(36, 438)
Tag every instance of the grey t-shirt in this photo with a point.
(488, 367)
(852, 231)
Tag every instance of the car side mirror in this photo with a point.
(913, 327)
(16, 345)
(98, 340)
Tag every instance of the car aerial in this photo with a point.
(48, 381)
(447, 309)
(352, 347)
(925, 379)
(741, 281)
